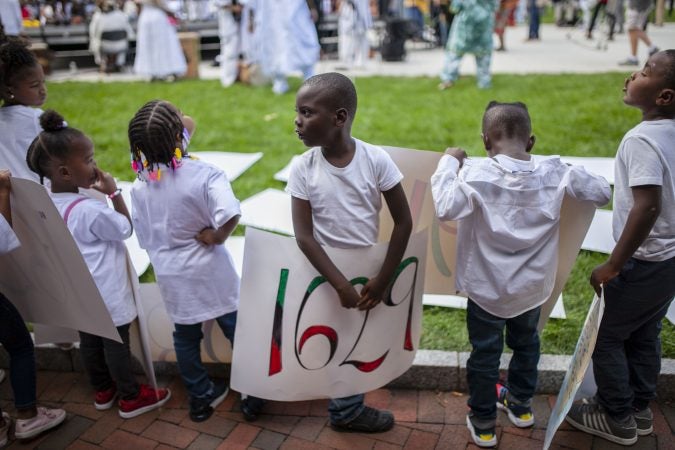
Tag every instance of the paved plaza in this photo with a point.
(424, 420)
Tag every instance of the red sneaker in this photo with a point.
(105, 399)
(147, 400)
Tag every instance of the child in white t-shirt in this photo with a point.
(65, 156)
(337, 189)
(183, 211)
(22, 91)
(508, 207)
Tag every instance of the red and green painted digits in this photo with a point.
(330, 333)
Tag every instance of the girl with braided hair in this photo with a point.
(22, 93)
(183, 211)
(65, 156)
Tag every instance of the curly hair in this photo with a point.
(512, 118)
(15, 56)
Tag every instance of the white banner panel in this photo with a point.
(580, 360)
(46, 278)
(294, 341)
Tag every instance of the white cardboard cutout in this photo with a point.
(233, 164)
(46, 278)
(574, 376)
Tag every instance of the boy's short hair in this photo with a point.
(670, 69)
(511, 118)
(337, 89)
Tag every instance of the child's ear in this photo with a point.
(666, 97)
(530, 143)
(486, 141)
(63, 172)
(341, 117)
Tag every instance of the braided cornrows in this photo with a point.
(153, 131)
(14, 57)
(52, 144)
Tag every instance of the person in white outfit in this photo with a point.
(158, 51)
(287, 38)
(109, 33)
(229, 20)
(353, 24)
(10, 17)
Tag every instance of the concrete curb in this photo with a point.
(431, 370)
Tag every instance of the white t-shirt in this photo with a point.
(345, 201)
(646, 156)
(19, 126)
(98, 232)
(8, 240)
(509, 223)
(197, 282)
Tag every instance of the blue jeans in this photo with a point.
(534, 11)
(106, 361)
(627, 355)
(14, 336)
(486, 334)
(187, 341)
(450, 71)
(344, 410)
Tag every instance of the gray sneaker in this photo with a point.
(643, 420)
(591, 418)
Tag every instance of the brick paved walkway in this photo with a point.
(425, 420)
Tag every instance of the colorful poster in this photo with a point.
(580, 360)
(294, 341)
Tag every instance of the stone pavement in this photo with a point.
(425, 420)
(561, 50)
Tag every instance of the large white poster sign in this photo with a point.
(47, 278)
(294, 341)
(580, 360)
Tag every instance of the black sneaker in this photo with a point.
(644, 420)
(201, 408)
(251, 407)
(483, 434)
(520, 414)
(370, 420)
(590, 417)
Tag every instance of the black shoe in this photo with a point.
(201, 408)
(370, 420)
(590, 417)
(251, 407)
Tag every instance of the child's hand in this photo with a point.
(5, 184)
(104, 182)
(372, 294)
(209, 236)
(349, 298)
(602, 274)
(457, 153)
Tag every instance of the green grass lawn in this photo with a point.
(580, 115)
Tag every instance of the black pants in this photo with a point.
(627, 356)
(106, 361)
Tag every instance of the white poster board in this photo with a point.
(46, 278)
(294, 339)
(580, 360)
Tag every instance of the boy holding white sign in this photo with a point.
(337, 188)
(508, 207)
(639, 277)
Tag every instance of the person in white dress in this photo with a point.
(158, 51)
(353, 24)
